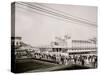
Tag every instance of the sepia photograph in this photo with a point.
(53, 37)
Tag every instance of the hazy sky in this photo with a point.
(38, 29)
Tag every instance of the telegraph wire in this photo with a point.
(42, 14)
(52, 13)
(47, 15)
(64, 20)
(64, 12)
(66, 17)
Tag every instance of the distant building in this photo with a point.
(16, 41)
(75, 47)
(83, 47)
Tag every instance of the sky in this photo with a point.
(38, 28)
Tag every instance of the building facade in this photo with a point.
(75, 47)
(16, 41)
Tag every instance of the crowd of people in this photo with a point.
(84, 60)
(71, 59)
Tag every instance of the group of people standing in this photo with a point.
(59, 58)
(84, 60)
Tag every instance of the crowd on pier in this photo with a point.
(84, 60)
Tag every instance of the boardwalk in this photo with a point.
(33, 65)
